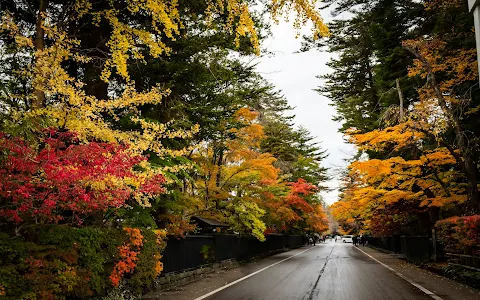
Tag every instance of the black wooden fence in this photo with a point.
(424, 249)
(197, 250)
(415, 248)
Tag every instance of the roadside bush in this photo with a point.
(468, 277)
(460, 234)
(63, 262)
(208, 253)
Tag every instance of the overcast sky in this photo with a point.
(295, 75)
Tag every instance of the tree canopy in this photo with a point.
(412, 117)
(124, 119)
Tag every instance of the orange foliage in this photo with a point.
(242, 162)
(177, 225)
(161, 237)
(317, 220)
(128, 255)
(398, 137)
(233, 173)
(393, 179)
(458, 65)
(377, 186)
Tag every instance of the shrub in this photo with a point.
(208, 253)
(468, 277)
(460, 234)
(63, 262)
(67, 181)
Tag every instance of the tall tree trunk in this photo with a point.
(72, 65)
(219, 175)
(39, 100)
(94, 38)
(219, 165)
(94, 86)
(470, 169)
(400, 97)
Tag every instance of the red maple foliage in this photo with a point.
(460, 234)
(298, 191)
(63, 177)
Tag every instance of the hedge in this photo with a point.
(63, 262)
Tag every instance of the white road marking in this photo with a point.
(248, 276)
(402, 276)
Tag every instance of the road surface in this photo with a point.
(330, 271)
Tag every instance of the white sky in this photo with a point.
(295, 75)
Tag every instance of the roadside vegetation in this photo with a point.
(405, 87)
(119, 120)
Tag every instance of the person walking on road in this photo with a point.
(364, 240)
(354, 239)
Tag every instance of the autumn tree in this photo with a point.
(74, 70)
(422, 166)
(65, 180)
(116, 114)
(277, 190)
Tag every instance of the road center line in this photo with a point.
(248, 276)
(418, 286)
(312, 292)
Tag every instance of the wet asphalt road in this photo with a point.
(330, 271)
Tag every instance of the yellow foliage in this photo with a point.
(305, 10)
(459, 65)
(69, 107)
(429, 179)
(398, 136)
(126, 41)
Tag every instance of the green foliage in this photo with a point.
(469, 277)
(297, 154)
(208, 253)
(370, 59)
(351, 86)
(247, 217)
